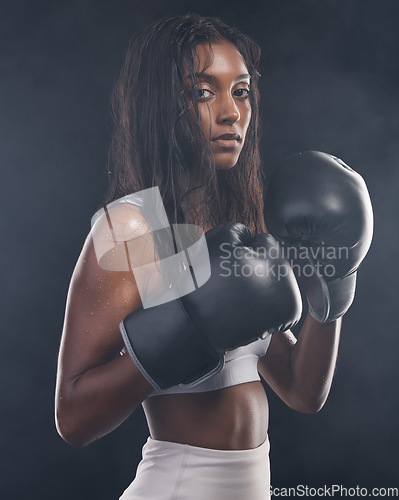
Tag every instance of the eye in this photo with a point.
(204, 94)
(243, 92)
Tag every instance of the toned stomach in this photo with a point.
(234, 418)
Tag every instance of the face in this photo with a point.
(223, 100)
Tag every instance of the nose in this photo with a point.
(227, 110)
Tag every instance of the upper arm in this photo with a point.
(275, 365)
(97, 301)
(99, 298)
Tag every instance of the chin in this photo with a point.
(226, 163)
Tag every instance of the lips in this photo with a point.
(228, 137)
(227, 141)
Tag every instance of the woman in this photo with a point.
(186, 115)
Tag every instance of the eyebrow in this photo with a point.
(212, 78)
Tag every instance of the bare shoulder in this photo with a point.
(103, 279)
(122, 237)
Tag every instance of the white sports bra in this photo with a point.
(240, 366)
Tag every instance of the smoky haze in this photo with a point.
(329, 82)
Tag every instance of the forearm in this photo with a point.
(312, 363)
(99, 400)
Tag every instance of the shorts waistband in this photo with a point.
(156, 447)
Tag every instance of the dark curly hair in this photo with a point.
(158, 141)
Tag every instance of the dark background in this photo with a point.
(330, 82)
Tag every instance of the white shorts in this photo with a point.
(174, 471)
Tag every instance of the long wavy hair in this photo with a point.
(158, 140)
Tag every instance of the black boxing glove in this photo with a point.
(248, 296)
(317, 203)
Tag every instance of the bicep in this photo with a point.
(275, 365)
(97, 302)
